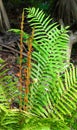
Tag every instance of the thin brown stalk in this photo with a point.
(21, 57)
(28, 70)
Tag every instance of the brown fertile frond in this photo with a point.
(21, 56)
(28, 70)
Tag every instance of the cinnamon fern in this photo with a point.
(52, 93)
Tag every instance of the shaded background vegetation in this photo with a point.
(14, 9)
(59, 9)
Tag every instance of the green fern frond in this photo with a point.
(18, 31)
(11, 119)
(41, 23)
(14, 119)
(54, 98)
(8, 87)
(50, 55)
(52, 51)
(50, 95)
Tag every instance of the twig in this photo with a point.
(8, 47)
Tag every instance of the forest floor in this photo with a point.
(10, 52)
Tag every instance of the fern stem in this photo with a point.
(28, 70)
(21, 56)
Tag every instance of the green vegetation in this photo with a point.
(52, 96)
(8, 86)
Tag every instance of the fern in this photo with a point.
(8, 87)
(50, 95)
(13, 119)
(52, 50)
(55, 98)
(42, 25)
(53, 89)
(18, 31)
